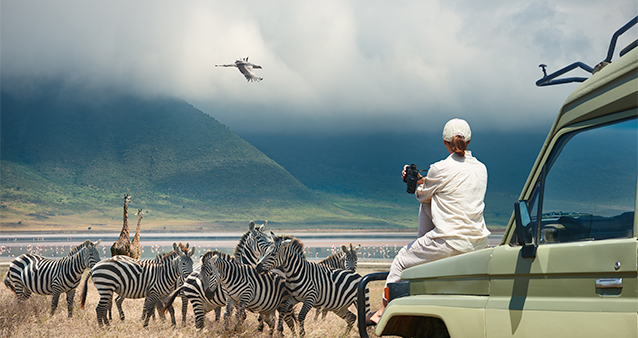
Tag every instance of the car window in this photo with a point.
(589, 190)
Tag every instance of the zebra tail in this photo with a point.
(170, 300)
(85, 290)
(8, 283)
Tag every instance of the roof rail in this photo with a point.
(548, 80)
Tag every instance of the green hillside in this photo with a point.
(68, 156)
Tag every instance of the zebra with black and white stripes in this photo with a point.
(131, 278)
(346, 259)
(31, 273)
(313, 284)
(180, 281)
(262, 293)
(196, 289)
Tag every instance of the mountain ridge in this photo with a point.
(66, 153)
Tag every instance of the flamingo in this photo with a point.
(245, 68)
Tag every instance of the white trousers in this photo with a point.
(423, 249)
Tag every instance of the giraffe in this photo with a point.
(136, 251)
(123, 245)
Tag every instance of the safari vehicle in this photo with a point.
(567, 264)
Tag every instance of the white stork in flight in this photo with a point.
(245, 68)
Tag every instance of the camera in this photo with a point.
(411, 177)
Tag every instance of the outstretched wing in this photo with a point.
(247, 70)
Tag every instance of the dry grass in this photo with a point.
(31, 319)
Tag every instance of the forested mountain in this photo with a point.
(68, 150)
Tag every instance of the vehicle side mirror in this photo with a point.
(525, 233)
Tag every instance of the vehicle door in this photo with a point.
(579, 278)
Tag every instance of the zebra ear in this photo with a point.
(345, 248)
(191, 252)
(251, 226)
(357, 247)
(176, 248)
(98, 242)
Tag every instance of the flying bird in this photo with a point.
(245, 68)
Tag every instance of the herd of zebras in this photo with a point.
(267, 274)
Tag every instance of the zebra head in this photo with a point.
(210, 274)
(184, 260)
(90, 255)
(351, 257)
(273, 257)
(261, 239)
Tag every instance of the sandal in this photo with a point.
(369, 321)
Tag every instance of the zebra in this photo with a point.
(346, 259)
(313, 284)
(31, 273)
(131, 278)
(263, 293)
(195, 288)
(157, 259)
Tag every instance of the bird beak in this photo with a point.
(258, 67)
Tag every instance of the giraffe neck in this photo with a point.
(124, 235)
(136, 238)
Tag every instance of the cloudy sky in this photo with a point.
(327, 65)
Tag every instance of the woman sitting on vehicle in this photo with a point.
(451, 213)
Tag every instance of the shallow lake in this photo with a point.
(375, 246)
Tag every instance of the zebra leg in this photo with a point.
(198, 310)
(159, 305)
(240, 315)
(270, 320)
(307, 305)
(70, 295)
(54, 301)
(324, 313)
(149, 308)
(118, 302)
(227, 313)
(286, 313)
(349, 317)
(103, 305)
(218, 313)
(184, 307)
(260, 320)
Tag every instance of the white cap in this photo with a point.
(456, 127)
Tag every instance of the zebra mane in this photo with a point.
(79, 247)
(335, 256)
(222, 255)
(166, 256)
(296, 244)
(239, 248)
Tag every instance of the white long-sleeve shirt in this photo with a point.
(455, 187)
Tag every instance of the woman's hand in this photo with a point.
(404, 172)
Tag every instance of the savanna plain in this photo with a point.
(31, 318)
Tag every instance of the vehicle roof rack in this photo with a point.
(548, 80)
